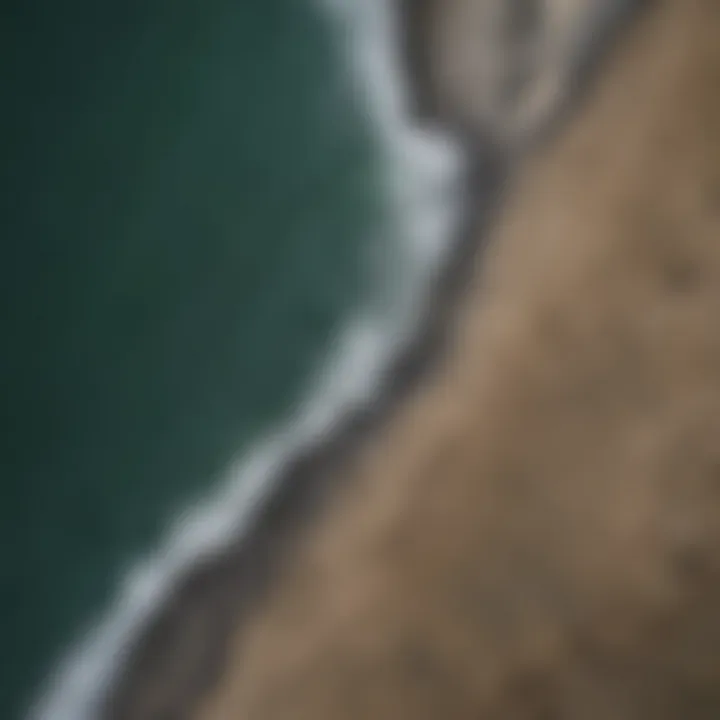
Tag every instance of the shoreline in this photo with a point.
(181, 651)
(534, 534)
(217, 595)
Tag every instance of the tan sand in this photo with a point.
(537, 534)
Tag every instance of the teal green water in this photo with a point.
(186, 189)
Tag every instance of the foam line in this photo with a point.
(421, 171)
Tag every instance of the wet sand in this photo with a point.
(529, 522)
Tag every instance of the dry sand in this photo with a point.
(536, 533)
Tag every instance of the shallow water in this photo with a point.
(188, 190)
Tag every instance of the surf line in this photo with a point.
(421, 171)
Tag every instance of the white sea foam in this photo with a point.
(422, 170)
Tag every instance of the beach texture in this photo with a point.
(535, 532)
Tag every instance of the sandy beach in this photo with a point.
(528, 526)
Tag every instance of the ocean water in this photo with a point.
(217, 228)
